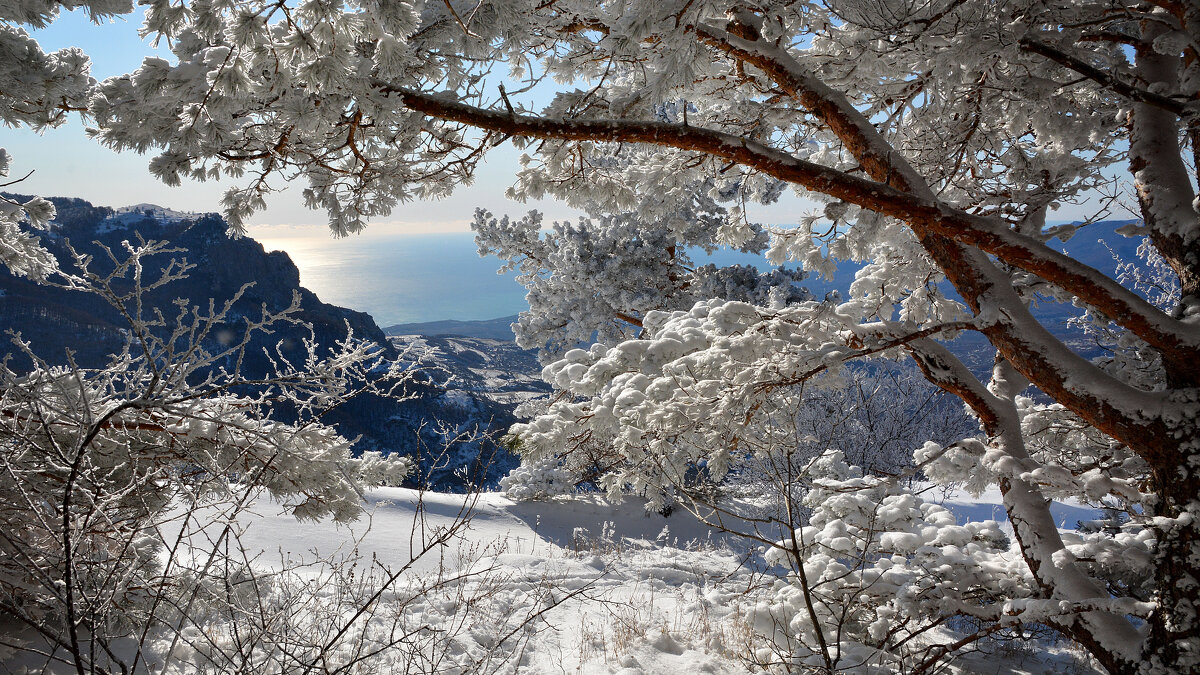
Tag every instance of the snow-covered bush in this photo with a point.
(873, 569)
(875, 421)
(121, 487)
(717, 386)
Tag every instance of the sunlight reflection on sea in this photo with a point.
(404, 278)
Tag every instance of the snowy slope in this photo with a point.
(607, 588)
(613, 589)
(567, 586)
(524, 528)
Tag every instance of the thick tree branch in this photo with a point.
(991, 235)
(1112, 406)
(944, 370)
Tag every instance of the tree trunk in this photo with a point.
(1165, 196)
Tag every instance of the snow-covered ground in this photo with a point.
(573, 585)
(603, 588)
(397, 520)
(137, 213)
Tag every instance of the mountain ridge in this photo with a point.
(499, 328)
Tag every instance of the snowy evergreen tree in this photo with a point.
(938, 136)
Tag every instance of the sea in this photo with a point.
(414, 278)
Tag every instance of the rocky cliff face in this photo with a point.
(55, 321)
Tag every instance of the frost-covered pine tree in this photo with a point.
(938, 135)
